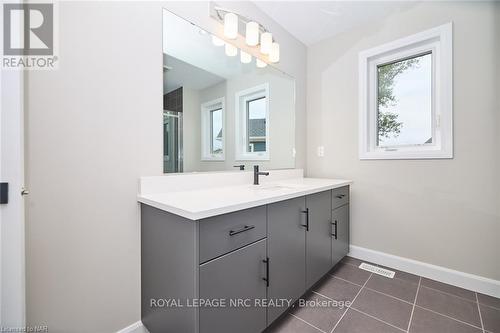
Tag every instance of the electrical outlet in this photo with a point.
(321, 151)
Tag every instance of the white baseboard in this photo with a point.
(133, 328)
(460, 279)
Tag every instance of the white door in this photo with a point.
(12, 271)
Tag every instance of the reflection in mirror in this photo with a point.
(221, 110)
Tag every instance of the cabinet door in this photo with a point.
(318, 238)
(286, 250)
(340, 233)
(237, 275)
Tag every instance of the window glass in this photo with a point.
(256, 125)
(216, 131)
(404, 102)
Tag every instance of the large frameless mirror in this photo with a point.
(219, 109)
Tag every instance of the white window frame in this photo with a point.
(206, 109)
(438, 41)
(241, 99)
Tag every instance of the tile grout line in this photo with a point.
(419, 306)
(414, 303)
(359, 292)
(380, 292)
(308, 323)
(479, 310)
(455, 319)
(378, 319)
(447, 293)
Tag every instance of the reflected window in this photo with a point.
(252, 123)
(212, 130)
(216, 131)
(256, 125)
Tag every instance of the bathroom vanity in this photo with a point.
(222, 255)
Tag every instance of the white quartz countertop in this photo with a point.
(196, 204)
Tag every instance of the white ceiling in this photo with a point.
(182, 74)
(314, 21)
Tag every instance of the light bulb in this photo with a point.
(266, 40)
(217, 41)
(252, 33)
(274, 54)
(260, 63)
(231, 25)
(231, 50)
(245, 57)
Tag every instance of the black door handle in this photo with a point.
(335, 226)
(307, 218)
(266, 261)
(245, 228)
(4, 193)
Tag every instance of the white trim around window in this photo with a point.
(207, 109)
(241, 100)
(438, 43)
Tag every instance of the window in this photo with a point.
(212, 130)
(406, 97)
(252, 123)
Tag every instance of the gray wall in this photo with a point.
(443, 212)
(93, 127)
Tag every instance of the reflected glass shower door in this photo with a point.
(172, 141)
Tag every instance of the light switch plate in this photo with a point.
(321, 151)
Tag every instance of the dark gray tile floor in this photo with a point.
(370, 303)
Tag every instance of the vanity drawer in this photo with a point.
(228, 232)
(340, 196)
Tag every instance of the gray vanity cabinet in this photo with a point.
(318, 236)
(269, 252)
(340, 233)
(234, 276)
(286, 249)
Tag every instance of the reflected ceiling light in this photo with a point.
(245, 57)
(231, 25)
(274, 54)
(231, 50)
(217, 41)
(260, 63)
(252, 33)
(266, 40)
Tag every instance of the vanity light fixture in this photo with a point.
(274, 53)
(252, 33)
(231, 50)
(260, 63)
(245, 57)
(231, 25)
(256, 35)
(217, 41)
(266, 40)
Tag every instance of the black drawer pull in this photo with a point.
(335, 226)
(340, 196)
(266, 261)
(307, 218)
(245, 228)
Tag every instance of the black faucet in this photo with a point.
(241, 166)
(256, 174)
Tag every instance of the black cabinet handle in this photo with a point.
(266, 261)
(245, 228)
(340, 196)
(335, 226)
(307, 218)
